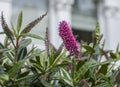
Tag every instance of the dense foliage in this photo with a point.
(23, 66)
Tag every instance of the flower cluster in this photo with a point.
(69, 39)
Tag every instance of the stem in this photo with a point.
(12, 42)
(73, 71)
(16, 49)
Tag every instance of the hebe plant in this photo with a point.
(34, 67)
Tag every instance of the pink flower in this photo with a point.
(69, 39)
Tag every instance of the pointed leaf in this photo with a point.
(12, 72)
(4, 77)
(58, 59)
(25, 43)
(81, 72)
(19, 22)
(33, 36)
(89, 49)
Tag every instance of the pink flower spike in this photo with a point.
(69, 39)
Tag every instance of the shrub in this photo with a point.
(21, 66)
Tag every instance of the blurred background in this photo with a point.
(82, 15)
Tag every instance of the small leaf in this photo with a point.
(103, 69)
(22, 53)
(89, 49)
(112, 55)
(25, 43)
(79, 64)
(34, 36)
(24, 74)
(19, 22)
(105, 62)
(2, 33)
(14, 31)
(4, 77)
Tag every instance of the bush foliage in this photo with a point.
(23, 66)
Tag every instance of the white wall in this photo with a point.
(109, 19)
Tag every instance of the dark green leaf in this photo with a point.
(79, 64)
(22, 53)
(103, 69)
(89, 49)
(24, 74)
(112, 55)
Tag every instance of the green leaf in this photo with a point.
(24, 74)
(34, 36)
(5, 50)
(105, 62)
(37, 66)
(2, 33)
(58, 59)
(107, 80)
(19, 22)
(79, 64)
(14, 31)
(25, 78)
(22, 53)
(12, 72)
(112, 55)
(46, 84)
(103, 85)
(4, 77)
(64, 75)
(25, 43)
(89, 49)
(81, 72)
(103, 69)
